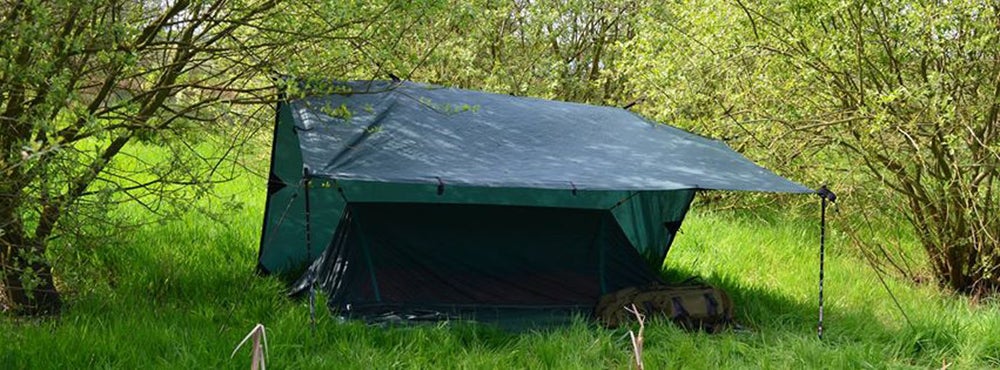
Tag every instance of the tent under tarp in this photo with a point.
(412, 201)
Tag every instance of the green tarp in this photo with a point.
(406, 181)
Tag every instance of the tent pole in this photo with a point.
(307, 183)
(825, 195)
(312, 286)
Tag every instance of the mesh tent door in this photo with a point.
(483, 262)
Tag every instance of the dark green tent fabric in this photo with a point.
(399, 182)
(433, 257)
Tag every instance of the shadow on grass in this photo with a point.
(769, 313)
(756, 308)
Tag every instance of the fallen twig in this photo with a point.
(258, 351)
(637, 338)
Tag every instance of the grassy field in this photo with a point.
(182, 294)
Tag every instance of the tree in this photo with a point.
(81, 82)
(907, 93)
(567, 49)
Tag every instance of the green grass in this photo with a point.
(182, 294)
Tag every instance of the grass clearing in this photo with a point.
(182, 294)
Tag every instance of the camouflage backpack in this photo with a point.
(693, 306)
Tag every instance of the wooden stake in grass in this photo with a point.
(258, 349)
(637, 339)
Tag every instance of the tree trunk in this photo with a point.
(27, 277)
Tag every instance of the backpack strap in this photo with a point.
(679, 311)
(681, 316)
(713, 305)
(648, 307)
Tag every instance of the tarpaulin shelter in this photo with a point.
(408, 200)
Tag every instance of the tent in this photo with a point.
(410, 201)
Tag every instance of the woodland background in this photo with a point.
(128, 127)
